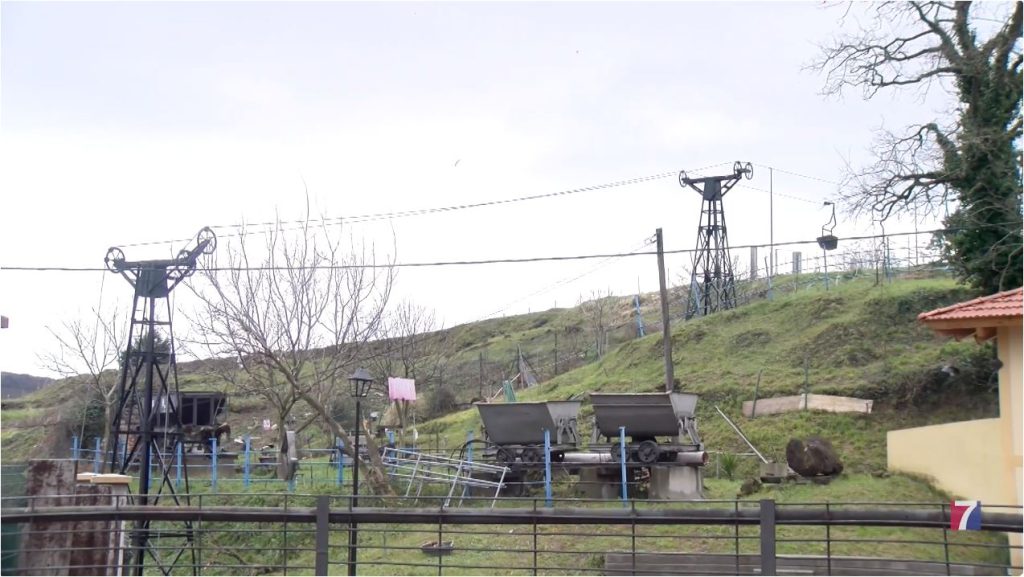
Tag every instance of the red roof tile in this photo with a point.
(1007, 304)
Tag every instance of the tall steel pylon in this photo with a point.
(712, 286)
(146, 425)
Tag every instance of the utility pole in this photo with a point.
(481, 394)
(771, 220)
(556, 351)
(666, 332)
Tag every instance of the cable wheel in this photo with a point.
(114, 255)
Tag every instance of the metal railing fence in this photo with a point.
(284, 533)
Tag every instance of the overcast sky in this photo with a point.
(134, 122)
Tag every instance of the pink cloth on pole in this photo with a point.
(401, 389)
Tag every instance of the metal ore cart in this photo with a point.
(648, 418)
(515, 431)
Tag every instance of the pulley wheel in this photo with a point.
(647, 453)
(206, 234)
(114, 255)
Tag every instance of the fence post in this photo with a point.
(535, 534)
(622, 462)
(213, 464)
(547, 468)
(97, 451)
(179, 451)
(341, 461)
(75, 452)
(768, 537)
(323, 509)
(469, 461)
(246, 464)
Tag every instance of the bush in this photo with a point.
(728, 462)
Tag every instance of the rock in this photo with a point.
(812, 458)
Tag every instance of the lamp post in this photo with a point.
(360, 381)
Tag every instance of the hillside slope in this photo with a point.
(14, 385)
(857, 340)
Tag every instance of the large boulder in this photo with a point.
(813, 457)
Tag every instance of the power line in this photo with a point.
(481, 261)
(792, 173)
(776, 193)
(371, 217)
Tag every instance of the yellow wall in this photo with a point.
(965, 459)
(1011, 382)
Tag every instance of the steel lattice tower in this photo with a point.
(712, 285)
(146, 427)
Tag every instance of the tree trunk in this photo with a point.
(108, 415)
(284, 466)
(375, 472)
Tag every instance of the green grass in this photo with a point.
(857, 340)
(494, 549)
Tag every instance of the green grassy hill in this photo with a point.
(857, 340)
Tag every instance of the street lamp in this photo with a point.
(360, 381)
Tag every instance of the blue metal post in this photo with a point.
(341, 461)
(547, 468)
(391, 436)
(640, 331)
(245, 469)
(96, 454)
(213, 464)
(179, 457)
(291, 483)
(149, 480)
(622, 460)
(75, 451)
(469, 456)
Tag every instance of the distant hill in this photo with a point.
(14, 385)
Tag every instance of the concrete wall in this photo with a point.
(69, 547)
(1011, 381)
(963, 458)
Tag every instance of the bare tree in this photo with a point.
(409, 351)
(597, 312)
(296, 314)
(91, 347)
(972, 155)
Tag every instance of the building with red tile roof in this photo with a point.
(981, 316)
(988, 466)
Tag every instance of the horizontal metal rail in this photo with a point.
(1003, 522)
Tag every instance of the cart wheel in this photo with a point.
(647, 452)
(505, 457)
(616, 453)
(532, 456)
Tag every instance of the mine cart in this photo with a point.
(648, 418)
(515, 431)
